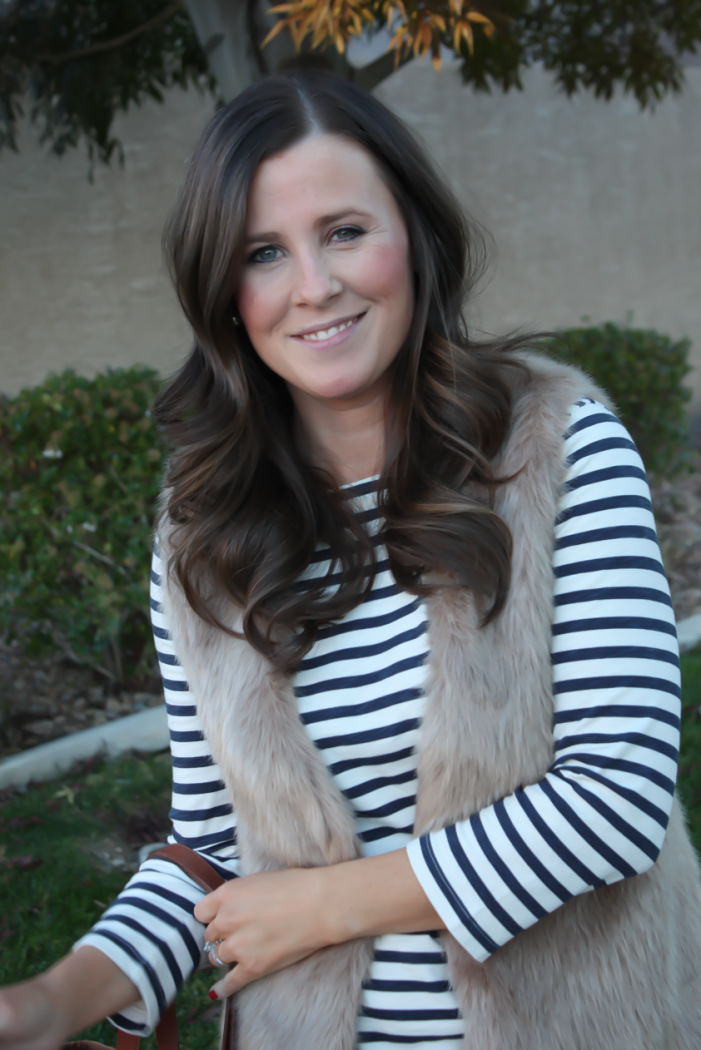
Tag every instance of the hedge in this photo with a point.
(80, 465)
(80, 469)
(643, 371)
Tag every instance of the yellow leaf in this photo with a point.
(297, 35)
(273, 33)
(397, 40)
(466, 32)
(67, 793)
(475, 16)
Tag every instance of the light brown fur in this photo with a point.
(613, 969)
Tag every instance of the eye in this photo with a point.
(347, 233)
(268, 253)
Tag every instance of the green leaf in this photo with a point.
(75, 532)
(643, 371)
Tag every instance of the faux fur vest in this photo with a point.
(617, 968)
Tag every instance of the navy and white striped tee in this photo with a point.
(598, 815)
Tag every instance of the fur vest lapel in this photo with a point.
(615, 968)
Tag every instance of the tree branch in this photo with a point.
(368, 77)
(253, 36)
(107, 45)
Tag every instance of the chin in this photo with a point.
(338, 389)
(349, 383)
(340, 392)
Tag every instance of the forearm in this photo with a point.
(85, 987)
(268, 921)
(373, 896)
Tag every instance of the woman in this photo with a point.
(443, 767)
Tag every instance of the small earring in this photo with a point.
(236, 321)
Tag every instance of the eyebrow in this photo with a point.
(323, 220)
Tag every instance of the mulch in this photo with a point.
(45, 698)
(42, 699)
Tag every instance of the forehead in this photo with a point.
(320, 175)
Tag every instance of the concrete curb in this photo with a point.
(144, 731)
(148, 731)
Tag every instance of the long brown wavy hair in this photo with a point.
(250, 510)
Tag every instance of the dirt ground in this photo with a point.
(41, 699)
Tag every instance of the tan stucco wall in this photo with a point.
(82, 284)
(594, 208)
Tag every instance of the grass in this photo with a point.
(57, 874)
(689, 781)
(56, 879)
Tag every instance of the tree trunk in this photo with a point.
(222, 28)
(231, 33)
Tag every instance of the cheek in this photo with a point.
(260, 309)
(386, 276)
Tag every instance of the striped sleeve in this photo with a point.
(150, 931)
(600, 813)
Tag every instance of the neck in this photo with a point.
(344, 437)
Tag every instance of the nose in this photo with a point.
(314, 280)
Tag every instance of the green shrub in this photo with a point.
(80, 465)
(643, 371)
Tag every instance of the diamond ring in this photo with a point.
(210, 947)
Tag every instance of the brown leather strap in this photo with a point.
(166, 1035)
(167, 1031)
(84, 1044)
(228, 1036)
(193, 864)
(127, 1041)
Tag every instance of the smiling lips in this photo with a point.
(320, 335)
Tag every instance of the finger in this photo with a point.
(207, 908)
(233, 981)
(222, 951)
(212, 933)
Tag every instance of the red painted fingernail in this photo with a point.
(213, 994)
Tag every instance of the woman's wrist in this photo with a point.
(84, 988)
(373, 896)
(332, 917)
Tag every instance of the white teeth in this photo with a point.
(316, 337)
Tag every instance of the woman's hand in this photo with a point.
(269, 921)
(265, 923)
(29, 1019)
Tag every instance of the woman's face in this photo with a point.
(325, 290)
